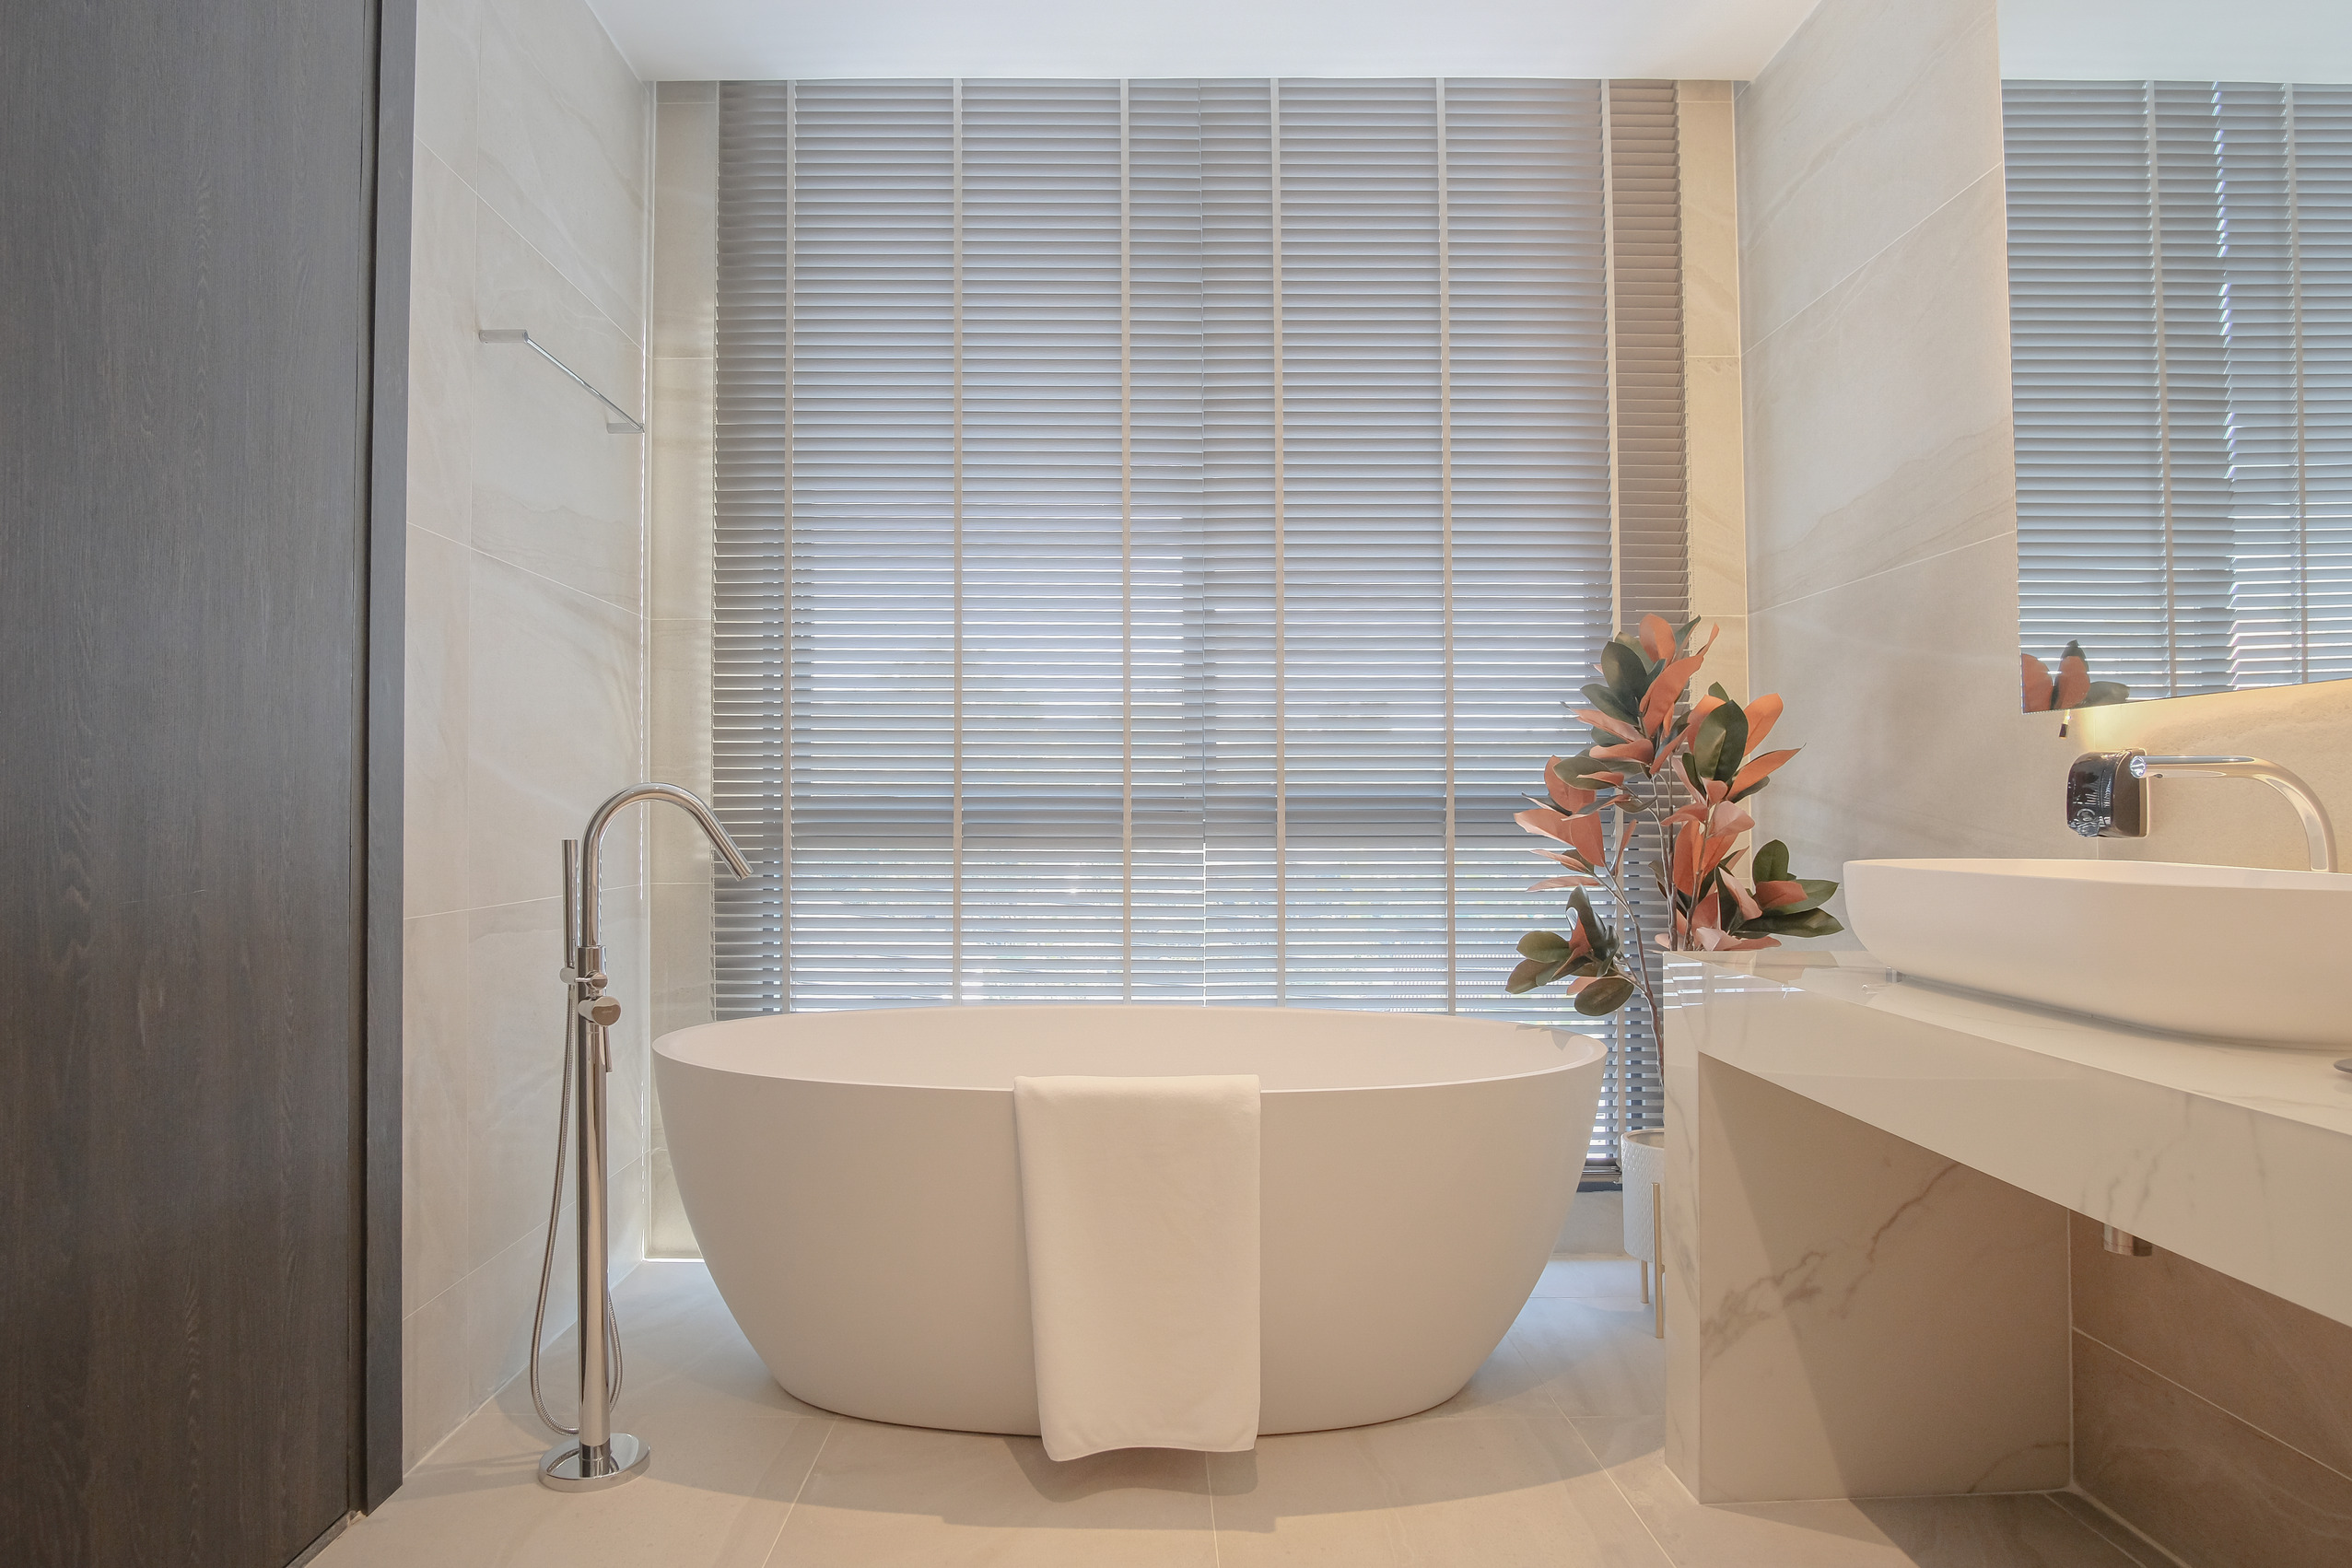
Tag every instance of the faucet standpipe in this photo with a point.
(600, 1457)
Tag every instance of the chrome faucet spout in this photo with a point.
(592, 847)
(2107, 794)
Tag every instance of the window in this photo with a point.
(2181, 304)
(1159, 521)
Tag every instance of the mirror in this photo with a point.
(2179, 201)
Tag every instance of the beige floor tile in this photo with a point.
(903, 1497)
(730, 1451)
(2016, 1530)
(1593, 1356)
(1491, 1494)
(1610, 1279)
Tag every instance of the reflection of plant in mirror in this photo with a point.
(2071, 688)
(1682, 775)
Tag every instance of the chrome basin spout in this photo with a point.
(2107, 794)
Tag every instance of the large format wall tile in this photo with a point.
(683, 320)
(2197, 1481)
(553, 490)
(1877, 419)
(442, 344)
(554, 729)
(448, 42)
(561, 153)
(1873, 116)
(436, 1131)
(2280, 1368)
(515, 1068)
(1902, 688)
(438, 672)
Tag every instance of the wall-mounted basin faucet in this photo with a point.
(2107, 794)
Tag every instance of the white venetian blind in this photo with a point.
(1159, 523)
(2181, 306)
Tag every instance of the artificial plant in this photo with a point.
(1676, 775)
(2071, 686)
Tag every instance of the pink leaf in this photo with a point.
(2037, 685)
(1758, 769)
(1657, 637)
(1632, 751)
(1617, 727)
(2074, 682)
(1773, 895)
(1762, 714)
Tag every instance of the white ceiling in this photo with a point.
(718, 40)
(2196, 41)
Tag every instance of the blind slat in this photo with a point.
(1153, 548)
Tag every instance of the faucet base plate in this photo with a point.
(567, 1468)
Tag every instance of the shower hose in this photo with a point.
(547, 1261)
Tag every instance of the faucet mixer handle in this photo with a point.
(2106, 795)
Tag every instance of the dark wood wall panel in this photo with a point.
(186, 295)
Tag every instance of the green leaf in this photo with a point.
(1578, 769)
(1596, 931)
(1720, 744)
(1609, 702)
(1605, 995)
(1682, 633)
(1529, 974)
(1627, 672)
(1783, 922)
(1771, 863)
(1716, 691)
(1817, 893)
(1545, 947)
(2100, 693)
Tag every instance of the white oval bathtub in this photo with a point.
(853, 1179)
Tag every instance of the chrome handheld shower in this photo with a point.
(598, 1456)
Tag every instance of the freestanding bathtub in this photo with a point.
(854, 1182)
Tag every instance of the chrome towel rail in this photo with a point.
(622, 424)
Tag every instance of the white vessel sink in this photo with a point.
(2228, 952)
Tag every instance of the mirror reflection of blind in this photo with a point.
(1157, 525)
(2181, 310)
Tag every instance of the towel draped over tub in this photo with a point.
(1140, 1196)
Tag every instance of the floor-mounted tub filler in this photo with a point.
(854, 1180)
(596, 1457)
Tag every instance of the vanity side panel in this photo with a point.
(1860, 1317)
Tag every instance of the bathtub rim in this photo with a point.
(664, 1044)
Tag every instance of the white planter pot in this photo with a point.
(1642, 1157)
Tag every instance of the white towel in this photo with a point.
(1140, 1196)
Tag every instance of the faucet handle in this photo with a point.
(602, 1011)
(2106, 795)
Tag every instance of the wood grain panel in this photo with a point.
(185, 329)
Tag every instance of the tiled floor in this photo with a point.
(1549, 1456)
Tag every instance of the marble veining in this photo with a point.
(2231, 1155)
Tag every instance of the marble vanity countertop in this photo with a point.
(2237, 1156)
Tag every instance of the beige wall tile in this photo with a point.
(562, 147)
(436, 1392)
(1717, 487)
(683, 497)
(436, 1174)
(1877, 420)
(438, 672)
(2276, 1365)
(448, 40)
(1709, 177)
(1875, 114)
(2196, 1480)
(526, 652)
(553, 728)
(1899, 689)
(442, 342)
(554, 491)
(515, 1065)
(683, 319)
